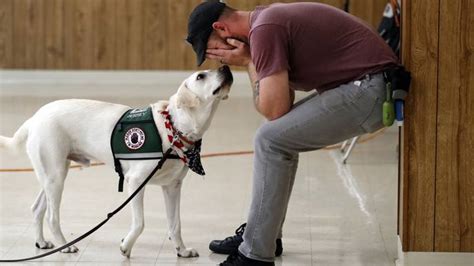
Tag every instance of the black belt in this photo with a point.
(399, 77)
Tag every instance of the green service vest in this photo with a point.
(135, 137)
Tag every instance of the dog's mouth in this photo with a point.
(227, 79)
(225, 72)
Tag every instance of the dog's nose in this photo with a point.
(225, 70)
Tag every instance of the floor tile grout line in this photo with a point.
(84, 251)
(161, 248)
(16, 242)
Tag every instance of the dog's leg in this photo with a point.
(54, 189)
(172, 195)
(138, 219)
(51, 169)
(39, 209)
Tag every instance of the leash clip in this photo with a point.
(175, 138)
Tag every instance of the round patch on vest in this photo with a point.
(134, 138)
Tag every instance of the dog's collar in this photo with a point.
(184, 138)
(190, 153)
(174, 135)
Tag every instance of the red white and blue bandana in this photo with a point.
(191, 157)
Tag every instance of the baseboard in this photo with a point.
(72, 83)
(433, 258)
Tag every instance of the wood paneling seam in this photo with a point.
(437, 115)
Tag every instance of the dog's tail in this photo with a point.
(15, 143)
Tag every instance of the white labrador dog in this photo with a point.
(80, 130)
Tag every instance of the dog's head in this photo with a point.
(193, 106)
(204, 87)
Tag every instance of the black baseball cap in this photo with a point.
(200, 26)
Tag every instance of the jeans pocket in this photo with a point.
(373, 121)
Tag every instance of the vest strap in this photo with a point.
(118, 169)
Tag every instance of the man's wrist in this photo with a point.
(248, 62)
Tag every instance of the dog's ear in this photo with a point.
(186, 98)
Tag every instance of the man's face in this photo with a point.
(217, 42)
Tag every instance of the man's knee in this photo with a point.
(269, 138)
(265, 134)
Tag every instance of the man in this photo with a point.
(288, 47)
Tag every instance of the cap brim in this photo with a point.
(199, 44)
(201, 54)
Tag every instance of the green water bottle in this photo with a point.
(388, 107)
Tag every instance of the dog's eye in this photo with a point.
(200, 76)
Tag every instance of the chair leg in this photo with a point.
(343, 146)
(349, 150)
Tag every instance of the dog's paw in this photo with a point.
(125, 251)
(188, 253)
(70, 249)
(44, 245)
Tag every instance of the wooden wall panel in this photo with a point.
(107, 34)
(136, 33)
(454, 221)
(28, 36)
(104, 34)
(370, 10)
(420, 55)
(180, 52)
(35, 34)
(335, 3)
(54, 34)
(156, 37)
(6, 33)
(20, 24)
(130, 34)
(437, 190)
(80, 34)
(122, 42)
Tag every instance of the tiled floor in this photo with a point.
(338, 214)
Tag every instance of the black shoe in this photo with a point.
(231, 244)
(279, 248)
(238, 259)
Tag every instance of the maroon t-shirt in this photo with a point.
(321, 46)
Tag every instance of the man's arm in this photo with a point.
(255, 84)
(272, 96)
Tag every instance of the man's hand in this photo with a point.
(239, 55)
(215, 42)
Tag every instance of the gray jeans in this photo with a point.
(316, 121)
